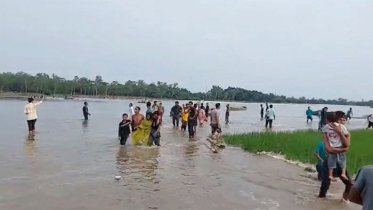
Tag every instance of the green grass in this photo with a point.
(300, 145)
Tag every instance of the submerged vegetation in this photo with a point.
(300, 145)
(42, 83)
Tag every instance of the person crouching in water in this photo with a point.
(336, 119)
(155, 133)
(124, 129)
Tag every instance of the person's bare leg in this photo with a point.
(343, 175)
(331, 177)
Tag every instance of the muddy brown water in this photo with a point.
(71, 164)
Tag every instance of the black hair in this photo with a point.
(138, 108)
(271, 106)
(148, 103)
(130, 104)
(85, 103)
(30, 100)
(217, 105)
(340, 114)
(176, 102)
(125, 114)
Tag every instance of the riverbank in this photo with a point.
(300, 145)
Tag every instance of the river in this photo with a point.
(71, 164)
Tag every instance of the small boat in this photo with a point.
(69, 97)
(237, 108)
(141, 102)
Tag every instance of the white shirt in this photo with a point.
(270, 113)
(334, 139)
(30, 110)
(131, 112)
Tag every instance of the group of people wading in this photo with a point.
(193, 114)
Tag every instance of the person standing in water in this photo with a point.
(137, 119)
(227, 115)
(176, 113)
(85, 111)
(184, 116)
(30, 111)
(309, 114)
(207, 110)
(191, 119)
(160, 113)
(349, 114)
(270, 116)
(261, 111)
(323, 118)
(124, 129)
(155, 133)
(149, 108)
(215, 121)
(370, 121)
(131, 111)
(155, 106)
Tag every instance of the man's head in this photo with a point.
(207, 104)
(155, 102)
(176, 103)
(271, 106)
(125, 116)
(131, 105)
(85, 103)
(350, 109)
(148, 104)
(30, 100)
(137, 110)
(309, 107)
(195, 105)
(261, 105)
(160, 104)
(217, 105)
(326, 109)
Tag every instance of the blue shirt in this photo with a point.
(320, 149)
(309, 112)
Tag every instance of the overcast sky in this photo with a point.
(321, 49)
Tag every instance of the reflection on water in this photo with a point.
(73, 170)
(30, 146)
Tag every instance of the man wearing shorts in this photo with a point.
(215, 125)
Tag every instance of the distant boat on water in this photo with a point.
(69, 97)
(237, 108)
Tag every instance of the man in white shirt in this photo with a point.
(270, 116)
(30, 111)
(131, 111)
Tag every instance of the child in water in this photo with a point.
(124, 129)
(336, 119)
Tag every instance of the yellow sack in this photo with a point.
(141, 135)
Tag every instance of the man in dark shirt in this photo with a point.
(85, 111)
(124, 129)
(191, 119)
(207, 110)
(261, 111)
(323, 118)
(175, 113)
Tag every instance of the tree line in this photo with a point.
(43, 83)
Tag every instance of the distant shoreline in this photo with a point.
(24, 96)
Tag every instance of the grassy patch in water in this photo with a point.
(300, 145)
